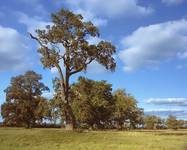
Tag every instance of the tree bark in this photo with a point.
(69, 116)
(70, 119)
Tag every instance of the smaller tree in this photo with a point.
(92, 102)
(24, 104)
(172, 122)
(161, 123)
(42, 111)
(181, 124)
(151, 121)
(136, 118)
(126, 109)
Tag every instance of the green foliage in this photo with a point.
(92, 102)
(72, 32)
(24, 104)
(172, 122)
(181, 124)
(153, 122)
(126, 109)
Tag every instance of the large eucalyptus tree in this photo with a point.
(64, 45)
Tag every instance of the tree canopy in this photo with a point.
(126, 109)
(92, 102)
(172, 122)
(24, 102)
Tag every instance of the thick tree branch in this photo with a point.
(81, 68)
(61, 76)
(56, 64)
(35, 38)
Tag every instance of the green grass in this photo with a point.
(58, 139)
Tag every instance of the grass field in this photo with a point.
(58, 139)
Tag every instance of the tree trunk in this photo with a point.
(120, 125)
(70, 118)
(28, 125)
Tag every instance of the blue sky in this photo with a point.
(150, 37)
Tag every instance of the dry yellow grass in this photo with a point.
(58, 139)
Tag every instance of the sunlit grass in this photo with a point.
(59, 139)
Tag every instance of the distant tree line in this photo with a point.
(94, 105)
(155, 122)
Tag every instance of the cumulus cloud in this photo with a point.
(168, 101)
(112, 8)
(172, 2)
(13, 50)
(180, 113)
(150, 45)
(32, 23)
(98, 11)
(88, 16)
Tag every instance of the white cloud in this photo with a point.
(172, 2)
(98, 10)
(168, 101)
(13, 50)
(112, 8)
(150, 45)
(177, 107)
(32, 23)
(164, 112)
(88, 16)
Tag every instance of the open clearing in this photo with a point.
(59, 139)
